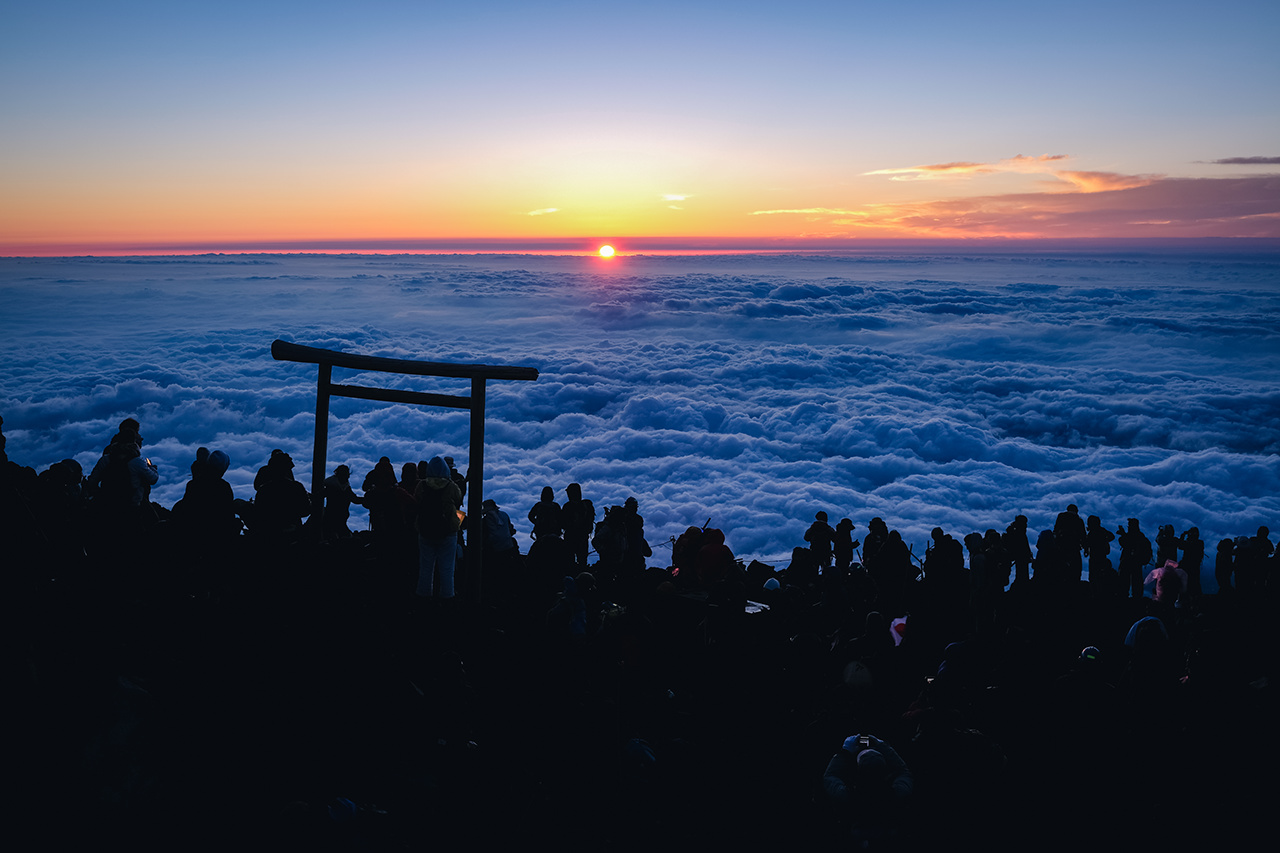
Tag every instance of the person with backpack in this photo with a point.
(578, 515)
(122, 479)
(437, 499)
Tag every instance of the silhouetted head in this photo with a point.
(438, 468)
(936, 534)
(1073, 509)
(1133, 525)
(133, 426)
(548, 494)
(1094, 522)
(218, 463)
(631, 505)
(1263, 532)
(342, 472)
(574, 491)
(1193, 533)
(448, 460)
(870, 770)
(821, 516)
(845, 524)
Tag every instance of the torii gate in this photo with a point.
(477, 373)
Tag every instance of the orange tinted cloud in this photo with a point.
(1018, 163)
(1137, 207)
(1093, 182)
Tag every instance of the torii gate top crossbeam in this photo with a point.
(477, 373)
(285, 351)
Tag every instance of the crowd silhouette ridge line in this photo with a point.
(861, 694)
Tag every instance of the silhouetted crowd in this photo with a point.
(234, 670)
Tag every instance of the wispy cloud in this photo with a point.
(1247, 161)
(676, 197)
(810, 211)
(1101, 205)
(1094, 182)
(935, 171)
(542, 211)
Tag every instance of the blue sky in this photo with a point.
(159, 122)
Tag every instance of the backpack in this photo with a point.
(437, 515)
(609, 541)
(116, 487)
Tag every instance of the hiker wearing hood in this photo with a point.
(437, 498)
(207, 508)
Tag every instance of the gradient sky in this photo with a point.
(146, 125)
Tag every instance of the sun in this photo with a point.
(606, 251)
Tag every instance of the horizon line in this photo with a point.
(624, 246)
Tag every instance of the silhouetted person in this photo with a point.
(684, 555)
(206, 512)
(438, 499)
(715, 561)
(1098, 541)
(59, 507)
(545, 516)
(389, 505)
(635, 549)
(895, 573)
(578, 516)
(409, 477)
(338, 498)
(869, 787)
(1251, 561)
(1018, 548)
(459, 479)
(121, 482)
(500, 552)
(265, 471)
(820, 537)
(1224, 565)
(1170, 582)
(1135, 554)
(1050, 562)
(1192, 548)
(609, 542)
(999, 564)
(873, 544)
(281, 502)
(1069, 535)
(843, 546)
(1166, 545)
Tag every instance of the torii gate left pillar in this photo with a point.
(479, 374)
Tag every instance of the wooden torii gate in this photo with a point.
(325, 388)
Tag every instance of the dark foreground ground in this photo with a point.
(305, 701)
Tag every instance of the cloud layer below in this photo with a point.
(755, 390)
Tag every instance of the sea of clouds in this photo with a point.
(753, 390)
